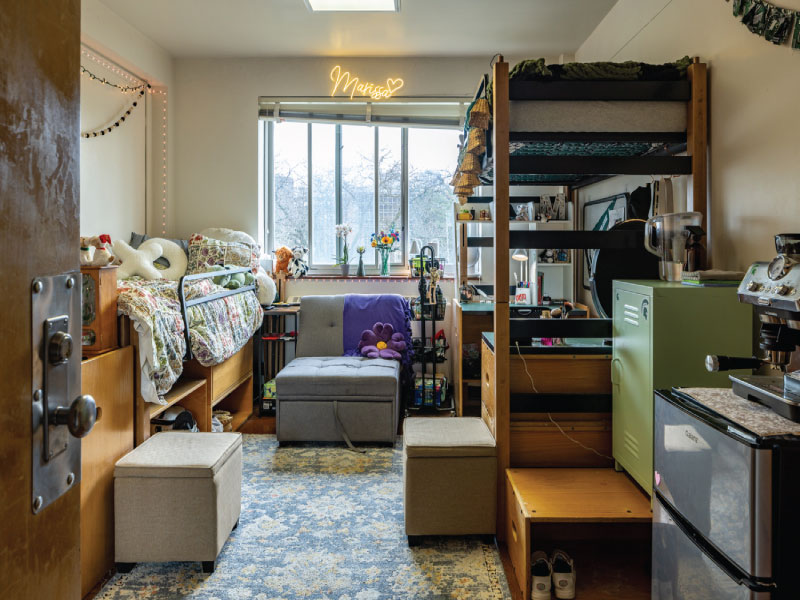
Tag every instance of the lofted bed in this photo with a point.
(546, 130)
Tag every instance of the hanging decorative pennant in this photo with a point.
(779, 24)
(754, 15)
(796, 34)
(773, 23)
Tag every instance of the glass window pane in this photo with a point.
(323, 194)
(358, 186)
(432, 156)
(290, 142)
(390, 199)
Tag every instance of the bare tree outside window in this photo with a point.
(352, 194)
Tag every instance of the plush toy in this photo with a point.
(232, 281)
(175, 256)
(102, 254)
(382, 342)
(87, 254)
(298, 264)
(266, 288)
(282, 255)
(138, 262)
(547, 256)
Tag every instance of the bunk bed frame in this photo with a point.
(199, 389)
(496, 386)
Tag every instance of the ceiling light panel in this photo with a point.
(353, 5)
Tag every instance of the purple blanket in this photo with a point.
(362, 311)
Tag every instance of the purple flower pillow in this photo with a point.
(382, 342)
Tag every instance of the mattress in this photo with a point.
(591, 116)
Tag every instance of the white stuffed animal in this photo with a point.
(265, 288)
(173, 253)
(298, 265)
(137, 262)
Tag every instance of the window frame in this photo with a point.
(267, 136)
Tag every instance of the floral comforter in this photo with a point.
(217, 329)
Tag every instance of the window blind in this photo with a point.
(406, 112)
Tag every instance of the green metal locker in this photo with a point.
(662, 334)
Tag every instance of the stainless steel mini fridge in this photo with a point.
(726, 506)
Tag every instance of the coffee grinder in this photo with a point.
(773, 288)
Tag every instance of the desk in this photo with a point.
(572, 384)
(470, 320)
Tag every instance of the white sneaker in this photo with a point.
(563, 569)
(541, 576)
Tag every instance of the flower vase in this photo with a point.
(385, 262)
(360, 272)
(345, 269)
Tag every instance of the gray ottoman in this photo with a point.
(450, 477)
(177, 497)
(361, 392)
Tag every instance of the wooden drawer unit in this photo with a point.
(226, 376)
(488, 403)
(109, 379)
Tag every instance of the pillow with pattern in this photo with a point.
(206, 252)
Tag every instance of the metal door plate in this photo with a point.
(56, 455)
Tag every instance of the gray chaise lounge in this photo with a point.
(320, 384)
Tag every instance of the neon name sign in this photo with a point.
(343, 83)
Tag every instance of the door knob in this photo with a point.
(79, 417)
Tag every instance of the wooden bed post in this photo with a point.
(697, 145)
(501, 306)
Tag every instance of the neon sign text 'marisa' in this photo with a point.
(344, 83)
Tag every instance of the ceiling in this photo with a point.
(257, 28)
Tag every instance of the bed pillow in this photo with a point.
(137, 239)
(206, 252)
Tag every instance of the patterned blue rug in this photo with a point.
(321, 522)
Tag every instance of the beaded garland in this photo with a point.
(116, 123)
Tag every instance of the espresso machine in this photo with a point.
(773, 288)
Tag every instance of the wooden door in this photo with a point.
(39, 221)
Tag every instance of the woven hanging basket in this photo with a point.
(464, 190)
(463, 199)
(476, 141)
(479, 115)
(470, 164)
(468, 180)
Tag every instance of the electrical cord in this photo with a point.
(550, 416)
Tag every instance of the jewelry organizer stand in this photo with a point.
(427, 354)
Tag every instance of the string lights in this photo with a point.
(132, 85)
(119, 121)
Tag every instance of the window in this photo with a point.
(317, 175)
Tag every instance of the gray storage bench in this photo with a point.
(323, 396)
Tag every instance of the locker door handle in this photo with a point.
(615, 364)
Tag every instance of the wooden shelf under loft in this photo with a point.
(200, 390)
(598, 516)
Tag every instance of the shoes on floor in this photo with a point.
(563, 568)
(541, 576)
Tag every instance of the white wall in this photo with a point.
(216, 124)
(754, 124)
(120, 174)
(113, 175)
